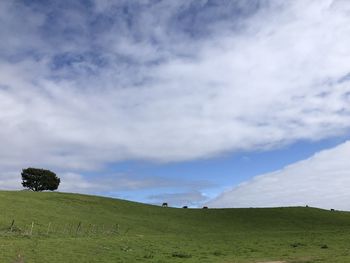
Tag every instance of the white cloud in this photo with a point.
(162, 95)
(320, 181)
(112, 183)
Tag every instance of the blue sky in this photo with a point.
(190, 102)
(214, 175)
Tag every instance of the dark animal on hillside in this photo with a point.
(205, 207)
(165, 205)
(185, 206)
(332, 210)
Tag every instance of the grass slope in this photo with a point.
(60, 227)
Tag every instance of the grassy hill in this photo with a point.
(60, 227)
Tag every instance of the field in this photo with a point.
(60, 227)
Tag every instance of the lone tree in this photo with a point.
(39, 179)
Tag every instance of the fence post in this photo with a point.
(88, 231)
(31, 229)
(48, 228)
(12, 224)
(78, 228)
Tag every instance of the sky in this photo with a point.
(191, 102)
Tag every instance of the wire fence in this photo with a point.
(78, 229)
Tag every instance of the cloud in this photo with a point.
(9, 182)
(123, 185)
(88, 85)
(320, 181)
(112, 183)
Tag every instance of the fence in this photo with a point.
(78, 229)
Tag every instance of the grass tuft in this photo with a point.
(181, 255)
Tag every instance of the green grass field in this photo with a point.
(59, 227)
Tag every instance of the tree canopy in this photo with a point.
(39, 179)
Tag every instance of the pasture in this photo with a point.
(61, 227)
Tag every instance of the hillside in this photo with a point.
(60, 227)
